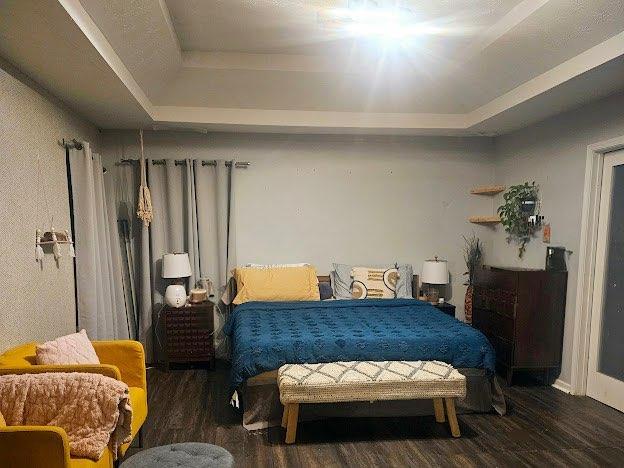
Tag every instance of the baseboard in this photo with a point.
(560, 385)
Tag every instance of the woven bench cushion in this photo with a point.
(369, 381)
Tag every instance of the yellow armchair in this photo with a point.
(34, 446)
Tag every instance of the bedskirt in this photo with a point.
(262, 407)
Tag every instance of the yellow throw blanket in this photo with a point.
(94, 410)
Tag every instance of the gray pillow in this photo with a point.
(341, 280)
(325, 291)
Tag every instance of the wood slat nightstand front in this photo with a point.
(188, 334)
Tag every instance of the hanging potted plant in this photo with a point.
(520, 203)
(473, 255)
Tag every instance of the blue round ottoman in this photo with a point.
(188, 454)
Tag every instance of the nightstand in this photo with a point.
(188, 334)
(448, 309)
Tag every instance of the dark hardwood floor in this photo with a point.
(544, 427)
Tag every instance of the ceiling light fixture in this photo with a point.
(378, 22)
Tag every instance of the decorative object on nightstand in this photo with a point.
(434, 275)
(473, 255)
(197, 296)
(188, 334)
(176, 266)
(206, 284)
(522, 313)
(448, 309)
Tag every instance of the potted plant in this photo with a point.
(473, 255)
(520, 203)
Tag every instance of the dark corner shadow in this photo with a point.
(27, 80)
(345, 430)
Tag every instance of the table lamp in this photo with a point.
(434, 273)
(176, 266)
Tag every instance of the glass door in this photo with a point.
(605, 379)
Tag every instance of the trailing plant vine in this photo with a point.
(514, 219)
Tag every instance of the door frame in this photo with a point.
(587, 260)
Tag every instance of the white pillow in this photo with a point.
(277, 265)
(69, 349)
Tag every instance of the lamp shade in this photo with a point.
(434, 272)
(176, 265)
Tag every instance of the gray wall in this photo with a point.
(553, 153)
(35, 303)
(312, 198)
(337, 198)
(320, 198)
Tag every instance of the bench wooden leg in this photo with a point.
(438, 407)
(285, 416)
(452, 416)
(291, 428)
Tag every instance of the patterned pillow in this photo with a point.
(70, 349)
(374, 283)
(341, 279)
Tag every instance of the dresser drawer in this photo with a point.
(189, 324)
(500, 301)
(175, 316)
(493, 323)
(502, 348)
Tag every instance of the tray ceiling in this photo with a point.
(294, 27)
(473, 67)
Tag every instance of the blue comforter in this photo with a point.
(266, 335)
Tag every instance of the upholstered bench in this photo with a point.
(369, 381)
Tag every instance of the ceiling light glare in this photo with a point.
(374, 22)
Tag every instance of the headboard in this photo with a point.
(415, 285)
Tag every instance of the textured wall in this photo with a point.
(553, 153)
(35, 303)
(324, 199)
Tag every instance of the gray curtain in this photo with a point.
(121, 187)
(101, 301)
(194, 207)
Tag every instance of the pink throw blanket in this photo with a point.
(94, 410)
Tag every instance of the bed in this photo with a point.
(266, 335)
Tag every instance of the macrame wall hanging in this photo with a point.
(52, 237)
(55, 239)
(144, 208)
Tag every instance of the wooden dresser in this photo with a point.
(188, 334)
(522, 313)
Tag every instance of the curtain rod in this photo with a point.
(182, 162)
(69, 144)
